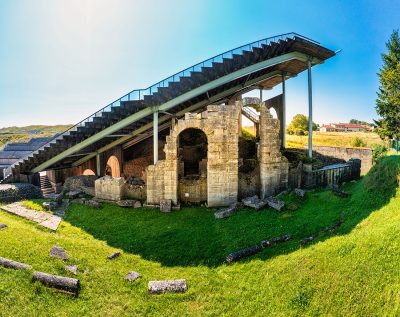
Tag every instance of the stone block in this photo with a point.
(225, 212)
(275, 203)
(109, 188)
(59, 253)
(168, 286)
(165, 205)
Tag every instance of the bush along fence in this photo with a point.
(306, 177)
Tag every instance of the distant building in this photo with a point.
(345, 127)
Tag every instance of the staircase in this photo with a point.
(45, 186)
(184, 82)
(250, 114)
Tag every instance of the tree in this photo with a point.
(299, 125)
(355, 121)
(388, 101)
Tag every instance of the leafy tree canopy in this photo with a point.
(299, 125)
(388, 101)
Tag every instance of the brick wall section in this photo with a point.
(274, 167)
(365, 155)
(220, 123)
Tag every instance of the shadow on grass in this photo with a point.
(192, 236)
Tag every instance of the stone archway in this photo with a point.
(220, 125)
(113, 167)
(192, 166)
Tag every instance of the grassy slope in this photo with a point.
(353, 272)
(342, 139)
(23, 134)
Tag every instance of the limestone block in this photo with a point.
(109, 188)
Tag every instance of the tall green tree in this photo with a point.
(388, 101)
(299, 125)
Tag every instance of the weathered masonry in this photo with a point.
(181, 139)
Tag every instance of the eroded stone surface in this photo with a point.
(167, 286)
(165, 205)
(73, 194)
(126, 203)
(72, 268)
(43, 218)
(137, 204)
(273, 241)
(132, 276)
(93, 203)
(225, 212)
(59, 253)
(300, 192)
(109, 188)
(235, 256)
(254, 202)
(114, 255)
(3, 225)
(275, 203)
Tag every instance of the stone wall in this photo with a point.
(220, 123)
(365, 155)
(109, 188)
(193, 190)
(274, 167)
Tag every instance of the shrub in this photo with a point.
(378, 152)
(358, 142)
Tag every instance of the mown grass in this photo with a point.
(354, 271)
(340, 139)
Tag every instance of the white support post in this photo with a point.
(98, 164)
(310, 112)
(283, 123)
(155, 137)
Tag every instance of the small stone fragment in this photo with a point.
(165, 205)
(10, 264)
(132, 276)
(137, 204)
(73, 194)
(58, 253)
(3, 225)
(114, 255)
(254, 202)
(306, 240)
(224, 212)
(72, 268)
(92, 203)
(126, 203)
(300, 192)
(275, 203)
(273, 241)
(167, 286)
(49, 205)
(235, 256)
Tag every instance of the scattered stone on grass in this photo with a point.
(307, 240)
(58, 253)
(80, 201)
(137, 204)
(167, 286)
(92, 203)
(254, 202)
(132, 276)
(114, 255)
(275, 203)
(340, 193)
(292, 206)
(235, 256)
(88, 190)
(126, 203)
(3, 226)
(300, 192)
(49, 205)
(10, 264)
(72, 268)
(73, 194)
(225, 212)
(67, 284)
(165, 205)
(273, 241)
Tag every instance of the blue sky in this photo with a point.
(62, 60)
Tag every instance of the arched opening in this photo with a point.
(112, 167)
(192, 166)
(88, 171)
(273, 112)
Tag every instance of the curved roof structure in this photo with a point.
(130, 118)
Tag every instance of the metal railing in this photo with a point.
(251, 114)
(139, 94)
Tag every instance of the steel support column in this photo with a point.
(310, 110)
(155, 137)
(98, 165)
(283, 123)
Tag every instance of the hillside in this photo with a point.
(353, 271)
(24, 134)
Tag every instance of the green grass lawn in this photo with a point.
(354, 271)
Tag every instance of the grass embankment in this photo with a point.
(354, 271)
(24, 134)
(341, 139)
